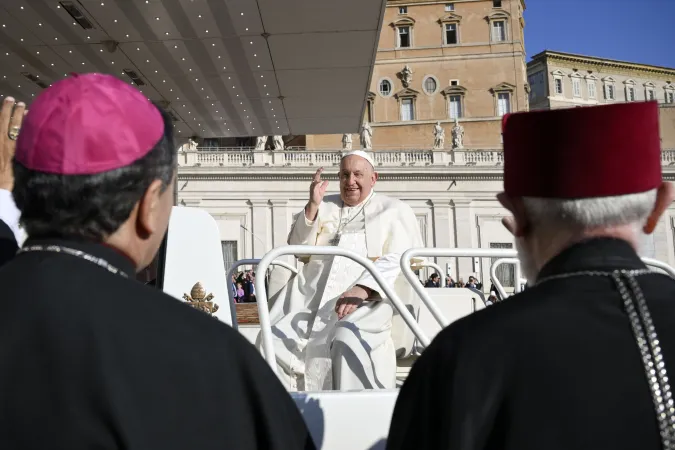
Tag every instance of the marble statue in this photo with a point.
(347, 141)
(260, 142)
(406, 76)
(439, 136)
(457, 135)
(366, 137)
(278, 142)
(189, 146)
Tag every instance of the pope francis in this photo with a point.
(332, 328)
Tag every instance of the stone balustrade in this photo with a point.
(324, 158)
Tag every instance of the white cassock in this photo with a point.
(315, 350)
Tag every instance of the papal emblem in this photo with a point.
(199, 300)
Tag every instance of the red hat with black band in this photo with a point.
(596, 151)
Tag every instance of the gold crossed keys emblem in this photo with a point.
(199, 300)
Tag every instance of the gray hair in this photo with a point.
(631, 209)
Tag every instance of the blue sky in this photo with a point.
(639, 31)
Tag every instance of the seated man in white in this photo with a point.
(332, 327)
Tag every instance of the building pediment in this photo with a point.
(575, 74)
(558, 72)
(503, 87)
(450, 18)
(454, 90)
(608, 80)
(649, 84)
(591, 77)
(629, 82)
(497, 15)
(407, 92)
(403, 21)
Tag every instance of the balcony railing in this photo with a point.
(383, 158)
(319, 158)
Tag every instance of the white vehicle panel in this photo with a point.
(194, 254)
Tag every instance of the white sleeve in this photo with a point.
(10, 214)
(389, 266)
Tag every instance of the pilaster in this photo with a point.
(281, 225)
(260, 224)
(443, 231)
(463, 238)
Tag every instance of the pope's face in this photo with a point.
(357, 178)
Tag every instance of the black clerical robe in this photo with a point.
(91, 359)
(555, 367)
(8, 245)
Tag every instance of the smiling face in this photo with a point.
(357, 178)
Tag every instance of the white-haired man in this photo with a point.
(333, 328)
(574, 361)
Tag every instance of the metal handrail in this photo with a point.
(506, 256)
(248, 262)
(433, 265)
(442, 252)
(311, 250)
(495, 281)
(659, 265)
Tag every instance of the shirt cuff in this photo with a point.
(10, 214)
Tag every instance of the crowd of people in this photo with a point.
(243, 287)
(92, 358)
(434, 280)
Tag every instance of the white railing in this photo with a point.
(505, 257)
(297, 157)
(233, 270)
(668, 157)
(432, 265)
(495, 281)
(311, 250)
(408, 273)
(323, 158)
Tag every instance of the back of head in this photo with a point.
(89, 151)
(583, 172)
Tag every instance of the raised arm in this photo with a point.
(306, 226)
(11, 117)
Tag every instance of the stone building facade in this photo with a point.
(441, 60)
(565, 80)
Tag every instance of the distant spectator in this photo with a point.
(433, 281)
(241, 295)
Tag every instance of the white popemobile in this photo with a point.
(192, 253)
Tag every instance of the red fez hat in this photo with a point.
(597, 151)
(88, 124)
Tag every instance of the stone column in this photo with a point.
(443, 233)
(260, 224)
(463, 225)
